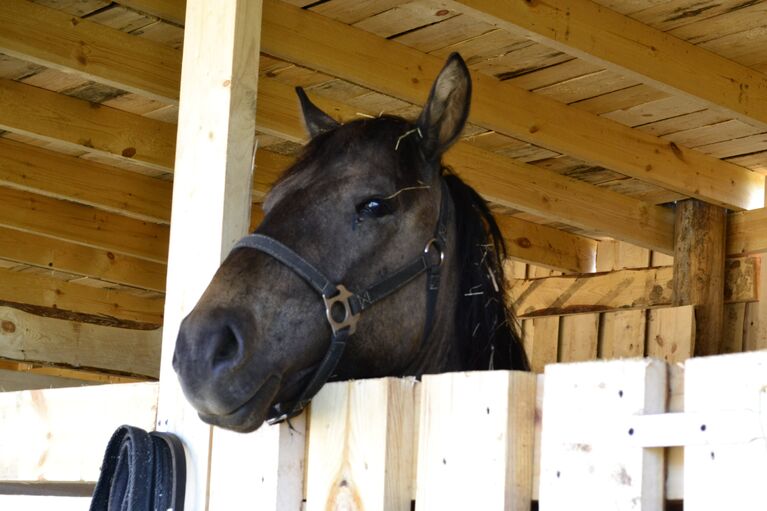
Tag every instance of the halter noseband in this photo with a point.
(343, 308)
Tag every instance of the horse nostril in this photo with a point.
(226, 350)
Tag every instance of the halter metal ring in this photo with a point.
(350, 319)
(435, 244)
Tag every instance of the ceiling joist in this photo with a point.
(587, 30)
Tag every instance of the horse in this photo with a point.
(373, 259)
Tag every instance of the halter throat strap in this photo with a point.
(343, 307)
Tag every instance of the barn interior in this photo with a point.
(595, 126)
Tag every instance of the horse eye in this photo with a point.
(375, 208)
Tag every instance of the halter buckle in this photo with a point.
(434, 244)
(337, 304)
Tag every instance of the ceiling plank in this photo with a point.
(74, 222)
(49, 292)
(61, 176)
(587, 30)
(59, 40)
(747, 232)
(58, 255)
(506, 181)
(314, 41)
(83, 125)
(32, 338)
(171, 10)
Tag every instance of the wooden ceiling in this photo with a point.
(588, 121)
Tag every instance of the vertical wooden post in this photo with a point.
(211, 210)
(699, 246)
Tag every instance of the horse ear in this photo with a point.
(315, 119)
(446, 111)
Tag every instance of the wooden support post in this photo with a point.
(211, 210)
(699, 249)
(475, 441)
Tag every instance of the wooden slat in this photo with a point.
(62, 373)
(360, 446)
(50, 116)
(541, 341)
(622, 334)
(500, 455)
(586, 30)
(171, 10)
(42, 291)
(60, 434)
(624, 289)
(671, 333)
(64, 256)
(312, 40)
(579, 339)
(76, 223)
(747, 232)
(28, 337)
(55, 39)
(57, 175)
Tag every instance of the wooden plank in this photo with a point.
(360, 450)
(553, 248)
(747, 232)
(586, 30)
(588, 467)
(719, 475)
(622, 334)
(733, 328)
(28, 337)
(309, 39)
(42, 432)
(624, 289)
(65, 177)
(671, 333)
(618, 255)
(171, 10)
(55, 39)
(76, 123)
(545, 343)
(82, 224)
(211, 202)
(64, 256)
(80, 376)
(699, 252)
(579, 339)
(505, 181)
(496, 409)
(42, 291)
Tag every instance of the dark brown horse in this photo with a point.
(372, 260)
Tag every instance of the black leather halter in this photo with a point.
(343, 307)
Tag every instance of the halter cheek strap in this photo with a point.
(343, 308)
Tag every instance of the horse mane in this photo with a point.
(486, 329)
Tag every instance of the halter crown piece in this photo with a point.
(343, 307)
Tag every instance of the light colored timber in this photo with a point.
(639, 288)
(73, 222)
(65, 177)
(43, 291)
(46, 115)
(26, 337)
(580, 337)
(60, 434)
(171, 10)
(671, 333)
(331, 47)
(82, 375)
(506, 181)
(622, 334)
(64, 256)
(211, 211)
(586, 30)
(53, 38)
(747, 232)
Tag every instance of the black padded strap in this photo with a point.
(292, 260)
(383, 288)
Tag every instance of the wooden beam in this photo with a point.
(28, 337)
(76, 223)
(699, 249)
(60, 434)
(56, 39)
(624, 289)
(54, 371)
(592, 32)
(310, 39)
(82, 125)
(65, 177)
(506, 181)
(68, 257)
(171, 10)
(49, 292)
(747, 232)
